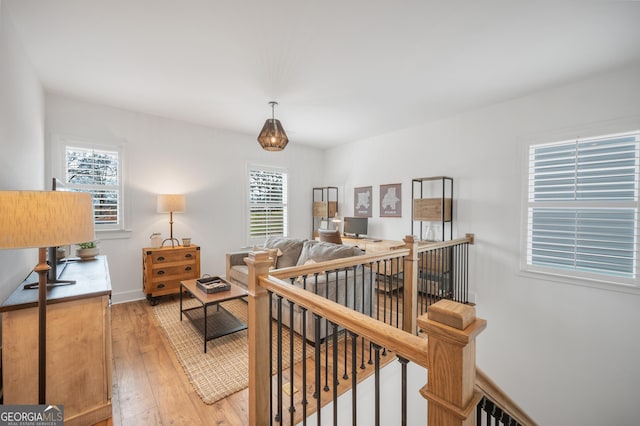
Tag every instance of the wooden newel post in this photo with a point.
(410, 299)
(450, 390)
(258, 329)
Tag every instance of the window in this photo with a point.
(583, 208)
(267, 203)
(95, 169)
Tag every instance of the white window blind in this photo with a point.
(583, 206)
(267, 203)
(97, 172)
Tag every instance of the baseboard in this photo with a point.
(127, 296)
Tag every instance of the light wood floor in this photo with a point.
(150, 387)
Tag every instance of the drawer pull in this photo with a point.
(160, 285)
(160, 258)
(188, 268)
(188, 255)
(160, 272)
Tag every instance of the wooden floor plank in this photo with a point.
(150, 387)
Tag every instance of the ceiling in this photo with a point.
(340, 70)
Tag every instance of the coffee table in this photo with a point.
(212, 323)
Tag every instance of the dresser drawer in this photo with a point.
(164, 272)
(160, 287)
(171, 256)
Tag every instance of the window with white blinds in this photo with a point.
(583, 207)
(267, 203)
(98, 172)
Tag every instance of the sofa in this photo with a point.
(352, 288)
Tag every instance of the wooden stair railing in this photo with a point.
(454, 386)
(492, 391)
(450, 398)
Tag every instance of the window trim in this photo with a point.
(572, 277)
(249, 168)
(58, 169)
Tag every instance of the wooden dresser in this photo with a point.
(163, 269)
(78, 344)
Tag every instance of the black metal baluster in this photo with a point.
(292, 408)
(403, 401)
(279, 361)
(270, 293)
(326, 339)
(304, 366)
(317, 348)
(377, 292)
(345, 376)
(466, 273)
(377, 384)
(335, 374)
(384, 280)
(397, 278)
(354, 378)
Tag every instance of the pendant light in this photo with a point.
(272, 137)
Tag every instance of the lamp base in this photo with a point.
(172, 240)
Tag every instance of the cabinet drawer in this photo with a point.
(170, 256)
(167, 272)
(162, 287)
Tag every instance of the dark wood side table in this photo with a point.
(212, 323)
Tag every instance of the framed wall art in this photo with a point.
(362, 200)
(391, 200)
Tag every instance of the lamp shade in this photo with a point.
(45, 219)
(272, 137)
(171, 203)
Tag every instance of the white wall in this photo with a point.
(21, 140)
(167, 156)
(568, 354)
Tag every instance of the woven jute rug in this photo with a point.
(223, 370)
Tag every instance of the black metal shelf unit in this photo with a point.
(325, 206)
(432, 201)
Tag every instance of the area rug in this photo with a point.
(224, 369)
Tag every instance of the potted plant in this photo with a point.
(88, 250)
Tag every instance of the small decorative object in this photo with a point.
(391, 200)
(362, 201)
(212, 284)
(273, 137)
(88, 250)
(336, 221)
(430, 235)
(61, 252)
(186, 242)
(156, 240)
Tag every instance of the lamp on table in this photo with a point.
(171, 203)
(41, 219)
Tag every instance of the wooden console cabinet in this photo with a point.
(163, 269)
(78, 344)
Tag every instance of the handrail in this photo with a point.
(492, 391)
(406, 345)
(346, 262)
(426, 246)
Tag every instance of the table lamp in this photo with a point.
(171, 203)
(41, 219)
